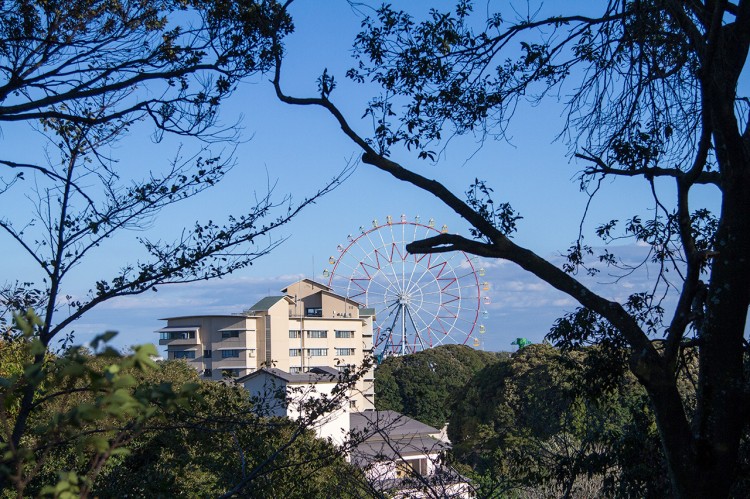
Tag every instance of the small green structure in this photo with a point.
(521, 342)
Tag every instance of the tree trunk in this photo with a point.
(708, 466)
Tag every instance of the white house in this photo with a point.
(308, 396)
(399, 455)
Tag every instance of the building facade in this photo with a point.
(307, 326)
(278, 393)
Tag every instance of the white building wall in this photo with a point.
(274, 396)
(333, 425)
(268, 394)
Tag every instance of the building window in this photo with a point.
(315, 333)
(207, 373)
(207, 354)
(251, 353)
(295, 370)
(177, 335)
(314, 311)
(230, 373)
(184, 354)
(344, 351)
(344, 334)
(343, 368)
(317, 352)
(295, 333)
(352, 404)
(295, 352)
(230, 334)
(416, 465)
(229, 354)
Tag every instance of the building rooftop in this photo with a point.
(391, 422)
(349, 300)
(199, 316)
(390, 435)
(266, 303)
(314, 375)
(310, 281)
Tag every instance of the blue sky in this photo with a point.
(298, 149)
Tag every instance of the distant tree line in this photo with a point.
(422, 385)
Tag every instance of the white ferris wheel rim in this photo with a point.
(435, 297)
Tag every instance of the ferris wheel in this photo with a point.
(420, 301)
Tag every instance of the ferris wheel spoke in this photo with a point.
(430, 269)
(424, 280)
(465, 321)
(413, 280)
(435, 299)
(371, 255)
(417, 336)
(420, 316)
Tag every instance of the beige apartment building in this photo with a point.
(308, 326)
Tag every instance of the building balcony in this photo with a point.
(185, 335)
(242, 341)
(239, 334)
(233, 362)
(189, 341)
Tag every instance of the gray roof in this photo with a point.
(392, 423)
(389, 435)
(199, 316)
(266, 303)
(371, 451)
(366, 312)
(314, 375)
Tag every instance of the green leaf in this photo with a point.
(36, 347)
(74, 370)
(102, 338)
(98, 443)
(121, 451)
(124, 381)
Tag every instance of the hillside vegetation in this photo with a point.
(540, 422)
(421, 385)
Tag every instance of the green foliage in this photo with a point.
(420, 385)
(122, 425)
(85, 407)
(70, 59)
(206, 449)
(533, 423)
